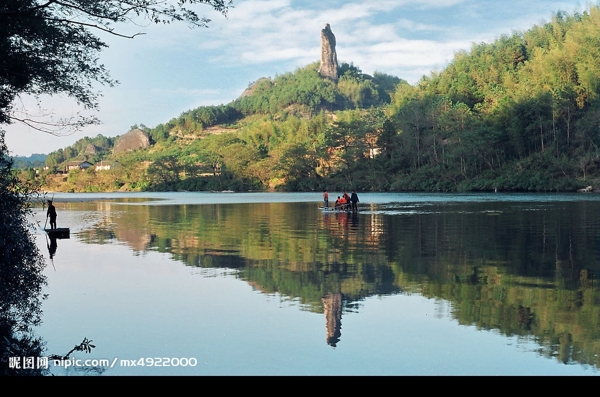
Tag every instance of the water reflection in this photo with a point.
(332, 306)
(524, 269)
(52, 246)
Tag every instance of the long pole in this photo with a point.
(51, 258)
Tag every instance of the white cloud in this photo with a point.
(281, 30)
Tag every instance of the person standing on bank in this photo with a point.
(354, 200)
(51, 214)
(326, 198)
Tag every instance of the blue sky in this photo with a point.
(172, 68)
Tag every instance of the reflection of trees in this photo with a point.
(531, 309)
(528, 272)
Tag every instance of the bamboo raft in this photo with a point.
(336, 209)
(61, 232)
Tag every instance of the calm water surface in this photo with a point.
(267, 284)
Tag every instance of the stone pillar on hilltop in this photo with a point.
(329, 63)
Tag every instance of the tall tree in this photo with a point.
(346, 140)
(21, 278)
(50, 47)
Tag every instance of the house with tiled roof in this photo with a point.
(82, 165)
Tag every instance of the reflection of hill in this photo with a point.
(529, 272)
(136, 240)
(115, 223)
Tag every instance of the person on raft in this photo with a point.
(51, 214)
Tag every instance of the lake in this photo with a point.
(268, 284)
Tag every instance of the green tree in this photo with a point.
(164, 173)
(49, 46)
(297, 162)
(21, 265)
(346, 140)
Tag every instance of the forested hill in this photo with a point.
(23, 162)
(302, 93)
(519, 114)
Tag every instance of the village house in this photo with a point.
(104, 165)
(82, 165)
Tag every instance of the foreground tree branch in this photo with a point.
(49, 47)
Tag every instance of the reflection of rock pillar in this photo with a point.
(332, 305)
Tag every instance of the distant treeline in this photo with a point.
(33, 161)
